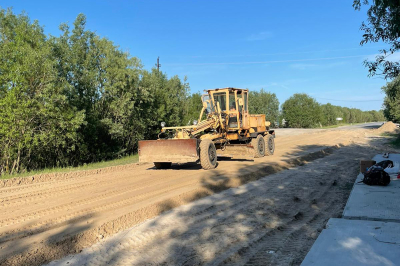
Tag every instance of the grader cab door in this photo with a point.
(234, 119)
(244, 109)
(238, 109)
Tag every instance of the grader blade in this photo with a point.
(168, 150)
(238, 151)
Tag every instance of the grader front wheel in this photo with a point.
(208, 154)
(259, 146)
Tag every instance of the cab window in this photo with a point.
(206, 99)
(232, 102)
(245, 101)
(221, 99)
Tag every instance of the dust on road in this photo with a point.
(49, 217)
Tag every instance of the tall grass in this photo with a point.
(394, 138)
(121, 161)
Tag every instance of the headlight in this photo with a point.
(194, 122)
(162, 124)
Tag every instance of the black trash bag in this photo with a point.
(385, 164)
(376, 176)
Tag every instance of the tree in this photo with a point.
(123, 103)
(391, 102)
(37, 125)
(302, 111)
(165, 103)
(329, 114)
(193, 108)
(345, 114)
(383, 25)
(76, 98)
(262, 102)
(377, 116)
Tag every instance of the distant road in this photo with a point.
(363, 126)
(299, 131)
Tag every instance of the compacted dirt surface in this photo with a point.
(274, 220)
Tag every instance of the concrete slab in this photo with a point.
(394, 157)
(374, 202)
(355, 243)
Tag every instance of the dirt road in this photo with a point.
(272, 221)
(45, 218)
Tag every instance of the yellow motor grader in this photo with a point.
(225, 128)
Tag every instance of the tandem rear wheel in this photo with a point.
(258, 144)
(269, 144)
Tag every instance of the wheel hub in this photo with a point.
(270, 144)
(211, 154)
(260, 146)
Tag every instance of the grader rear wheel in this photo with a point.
(269, 144)
(208, 154)
(259, 146)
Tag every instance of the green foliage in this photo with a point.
(391, 102)
(262, 102)
(37, 125)
(193, 109)
(383, 25)
(76, 98)
(301, 110)
(396, 143)
(329, 114)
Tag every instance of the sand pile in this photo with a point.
(387, 127)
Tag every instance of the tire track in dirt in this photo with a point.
(272, 221)
(62, 176)
(48, 188)
(139, 242)
(261, 251)
(292, 216)
(46, 194)
(51, 223)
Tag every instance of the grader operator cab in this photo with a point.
(227, 130)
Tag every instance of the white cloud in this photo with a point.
(275, 84)
(341, 97)
(260, 36)
(392, 57)
(195, 71)
(301, 66)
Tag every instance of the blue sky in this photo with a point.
(285, 47)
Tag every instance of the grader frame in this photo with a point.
(227, 130)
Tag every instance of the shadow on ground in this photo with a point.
(271, 221)
(16, 249)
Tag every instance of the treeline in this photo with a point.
(303, 111)
(77, 98)
(391, 103)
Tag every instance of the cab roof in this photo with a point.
(229, 89)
